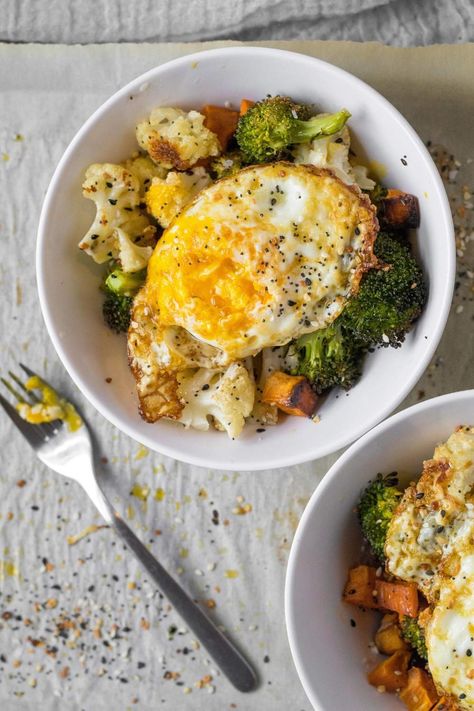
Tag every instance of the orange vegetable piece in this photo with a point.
(399, 210)
(420, 692)
(291, 393)
(360, 587)
(391, 674)
(388, 638)
(397, 596)
(245, 105)
(204, 163)
(222, 121)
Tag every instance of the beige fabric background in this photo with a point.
(80, 628)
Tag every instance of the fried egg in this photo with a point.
(261, 257)
(431, 542)
(450, 629)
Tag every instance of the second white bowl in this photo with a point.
(331, 656)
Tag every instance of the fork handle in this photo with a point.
(225, 655)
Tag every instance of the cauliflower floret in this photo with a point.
(359, 173)
(145, 170)
(226, 397)
(166, 198)
(132, 256)
(333, 152)
(176, 139)
(121, 229)
(270, 359)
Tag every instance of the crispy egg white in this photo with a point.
(431, 511)
(156, 353)
(261, 257)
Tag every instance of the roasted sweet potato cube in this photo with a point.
(291, 393)
(391, 674)
(222, 121)
(245, 105)
(419, 693)
(388, 638)
(398, 210)
(397, 597)
(360, 587)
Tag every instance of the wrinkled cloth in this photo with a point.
(80, 626)
(397, 22)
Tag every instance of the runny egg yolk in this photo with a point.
(193, 273)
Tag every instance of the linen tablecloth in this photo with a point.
(80, 627)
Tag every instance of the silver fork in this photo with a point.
(70, 454)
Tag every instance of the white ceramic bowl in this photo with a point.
(330, 655)
(68, 281)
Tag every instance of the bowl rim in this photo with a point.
(331, 475)
(279, 460)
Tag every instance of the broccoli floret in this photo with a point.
(116, 311)
(125, 283)
(377, 194)
(389, 299)
(120, 288)
(273, 124)
(376, 507)
(414, 635)
(226, 164)
(329, 357)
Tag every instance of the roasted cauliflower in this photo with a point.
(121, 229)
(224, 398)
(167, 197)
(333, 152)
(269, 360)
(143, 168)
(163, 361)
(176, 139)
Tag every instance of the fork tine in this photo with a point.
(50, 428)
(29, 394)
(32, 433)
(29, 372)
(12, 390)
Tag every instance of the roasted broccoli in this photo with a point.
(116, 311)
(376, 507)
(414, 635)
(377, 194)
(273, 124)
(389, 299)
(329, 357)
(120, 288)
(125, 283)
(226, 164)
